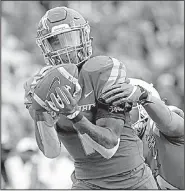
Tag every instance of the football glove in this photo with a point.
(49, 116)
(124, 92)
(31, 83)
(64, 103)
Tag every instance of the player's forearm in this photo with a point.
(176, 126)
(158, 111)
(47, 138)
(168, 122)
(103, 136)
(106, 153)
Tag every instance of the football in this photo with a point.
(56, 76)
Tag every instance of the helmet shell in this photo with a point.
(140, 124)
(62, 22)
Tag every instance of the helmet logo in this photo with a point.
(61, 27)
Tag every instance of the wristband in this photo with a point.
(73, 115)
(77, 118)
(101, 104)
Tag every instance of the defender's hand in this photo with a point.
(64, 102)
(120, 93)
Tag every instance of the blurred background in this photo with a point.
(147, 36)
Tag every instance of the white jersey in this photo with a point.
(165, 156)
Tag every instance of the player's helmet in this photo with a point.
(63, 36)
(140, 124)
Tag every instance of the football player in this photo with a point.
(107, 152)
(160, 127)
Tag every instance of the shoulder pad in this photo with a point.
(96, 63)
(103, 72)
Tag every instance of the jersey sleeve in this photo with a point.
(99, 73)
(103, 72)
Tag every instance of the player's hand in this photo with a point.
(121, 93)
(50, 117)
(30, 84)
(64, 103)
(28, 92)
(177, 110)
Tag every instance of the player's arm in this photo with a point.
(104, 137)
(46, 135)
(167, 121)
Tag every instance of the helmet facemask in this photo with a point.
(140, 125)
(66, 44)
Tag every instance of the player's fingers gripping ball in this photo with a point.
(47, 93)
(28, 92)
(64, 102)
(30, 85)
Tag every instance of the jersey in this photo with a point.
(95, 75)
(165, 156)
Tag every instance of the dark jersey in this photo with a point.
(165, 156)
(95, 75)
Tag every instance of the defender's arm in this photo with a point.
(168, 122)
